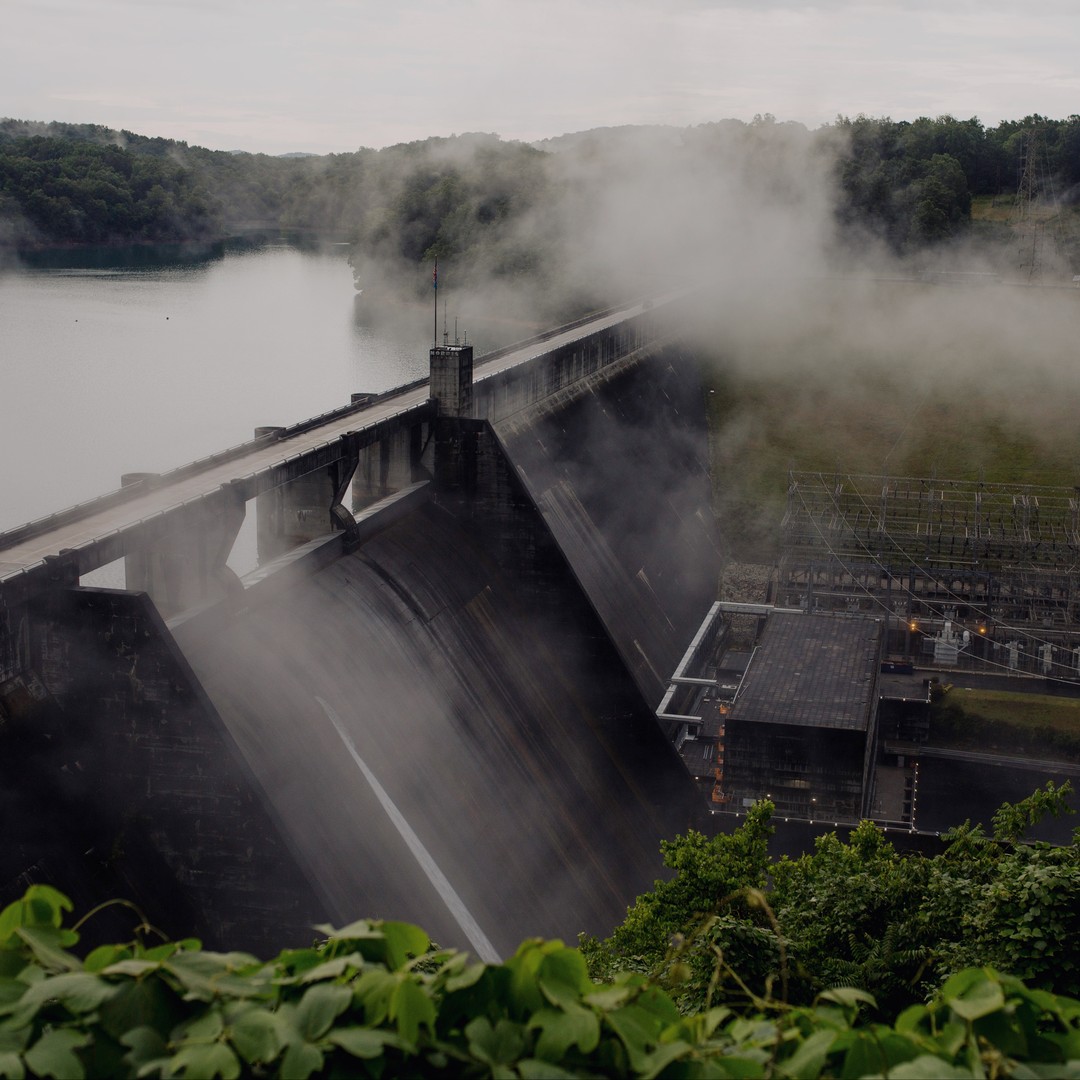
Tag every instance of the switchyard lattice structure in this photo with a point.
(1001, 562)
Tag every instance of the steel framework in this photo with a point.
(988, 556)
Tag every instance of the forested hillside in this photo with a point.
(617, 197)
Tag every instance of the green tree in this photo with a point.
(856, 913)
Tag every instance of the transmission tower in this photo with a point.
(1026, 193)
(1037, 206)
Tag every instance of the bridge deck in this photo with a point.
(23, 549)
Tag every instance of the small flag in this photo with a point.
(435, 275)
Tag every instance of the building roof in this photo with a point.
(912, 687)
(812, 671)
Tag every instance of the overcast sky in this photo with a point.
(332, 75)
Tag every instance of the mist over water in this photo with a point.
(136, 367)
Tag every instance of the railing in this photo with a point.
(119, 496)
(42, 525)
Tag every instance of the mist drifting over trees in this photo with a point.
(800, 240)
(579, 219)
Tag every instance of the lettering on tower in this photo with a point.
(451, 379)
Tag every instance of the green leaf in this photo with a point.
(131, 968)
(654, 1000)
(403, 941)
(207, 1025)
(464, 979)
(411, 1008)
(374, 989)
(45, 906)
(146, 1002)
(1001, 1030)
(80, 991)
(104, 955)
(46, 945)
(206, 975)
(659, 1059)
(333, 969)
(10, 918)
(910, 1018)
(320, 1006)
(14, 1039)
(54, 1054)
(559, 1030)
(361, 930)
(145, 1045)
(257, 1035)
(607, 998)
(926, 1067)
(498, 1045)
(11, 992)
(363, 1042)
(638, 1029)
(979, 999)
(878, 1050)
(168, 950)
(848, 997)
(524, 967)
(301, 1060)
(563, 977)
(738, 1066)
(11, 1065)
(809, 1056)
(298, 961)
(205, 1060)
(533, 1069)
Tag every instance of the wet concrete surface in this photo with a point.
(540, 788)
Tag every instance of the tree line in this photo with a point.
(504, 208)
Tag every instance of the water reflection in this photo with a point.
(124, 360)
(123, 257)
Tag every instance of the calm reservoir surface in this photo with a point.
(143, 360)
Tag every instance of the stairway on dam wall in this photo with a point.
(450, 722)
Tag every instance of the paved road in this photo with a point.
(21, 555)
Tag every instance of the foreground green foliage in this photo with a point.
(373, 999)
(858, 914)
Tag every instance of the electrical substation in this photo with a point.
(820, 700)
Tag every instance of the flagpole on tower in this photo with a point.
(435, 286)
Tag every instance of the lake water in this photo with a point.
(142, 360)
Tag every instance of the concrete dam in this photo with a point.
(435, 698)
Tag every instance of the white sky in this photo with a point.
(332, 75)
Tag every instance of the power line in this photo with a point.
(907, 592)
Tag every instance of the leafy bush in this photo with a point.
(374, 999)
(859, 914)
(371, 1000)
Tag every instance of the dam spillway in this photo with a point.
(442, 712)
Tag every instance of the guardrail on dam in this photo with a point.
(434, 698)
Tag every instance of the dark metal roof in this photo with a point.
(812, 671)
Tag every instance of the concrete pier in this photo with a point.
(184, 568)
